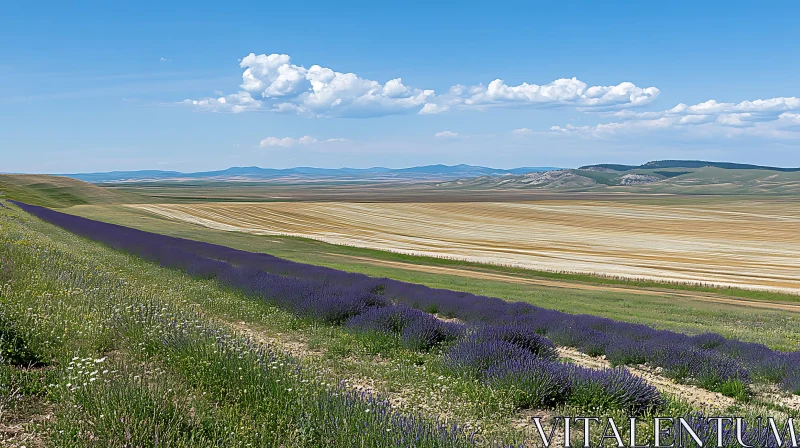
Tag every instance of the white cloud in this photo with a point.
(446, 134)
(561, 92)
(274, 83)
(237, 102)
(322, 92)
(763, 118)
(275, 141)
(287, 142)
(522, 131)
(431, 108)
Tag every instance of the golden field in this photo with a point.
(748, 244)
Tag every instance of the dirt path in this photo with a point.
(697, 397)
(21, 429)
(795, 308)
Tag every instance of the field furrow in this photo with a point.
(745, 244)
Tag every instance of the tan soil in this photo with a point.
(293, 345)
(747, 244)
(24, 433)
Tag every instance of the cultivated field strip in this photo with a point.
(747, 244)
(581, 286)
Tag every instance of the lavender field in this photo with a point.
(332, 296)
(96, 321)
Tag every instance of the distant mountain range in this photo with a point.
(659, 177)
(254, 173)
(589, 176)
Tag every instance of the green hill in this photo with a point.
(654, 179)
(59, 192)
(688, 164)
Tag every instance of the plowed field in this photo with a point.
(749, 244)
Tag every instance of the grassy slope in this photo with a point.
(704, 181)
(59, 192)
(693, 181)
(602, 178)
(182, 399)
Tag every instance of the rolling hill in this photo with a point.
(656, 179)
(688, 164)
(59, 192)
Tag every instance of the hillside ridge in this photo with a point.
(688, 164)
(59, 191)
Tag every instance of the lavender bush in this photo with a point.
(416, 330)
(706, 367)
(473, 357)
(520, 336)
(603, 390)
(792, 382)
(534, 382)
(425, 334)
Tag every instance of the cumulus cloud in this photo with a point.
(446, 134)
(322, 92)
(237, 102)
(772, 117)
(561, 92)
(287, 142)
(273, 82)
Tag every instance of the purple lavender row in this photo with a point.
(709, 360)
(507, 356)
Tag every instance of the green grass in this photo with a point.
(59, 192)
(88, 308)
(720, 181)
(163, 380)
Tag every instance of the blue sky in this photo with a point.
(93, 87)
